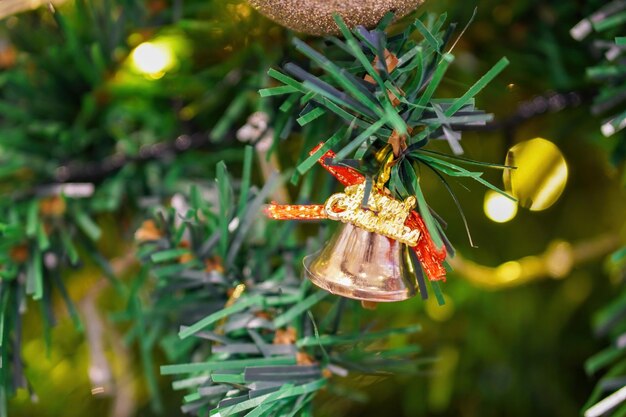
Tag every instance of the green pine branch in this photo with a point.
(608, 24)
(242, 331)
(606, 27)
(83, 134)
(360, 91)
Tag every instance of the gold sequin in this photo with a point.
(316, 16)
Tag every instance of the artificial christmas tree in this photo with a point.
(142, 141)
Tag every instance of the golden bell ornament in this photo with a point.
(363, 265)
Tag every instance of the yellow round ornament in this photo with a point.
(540, 173)
(315, 17)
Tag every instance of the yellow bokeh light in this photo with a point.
(540, 175)
(499, 208)
(152, 59)
(440, 312)
(508, 272)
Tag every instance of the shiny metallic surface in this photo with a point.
(362, 265)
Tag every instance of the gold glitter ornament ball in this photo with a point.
(315, 17)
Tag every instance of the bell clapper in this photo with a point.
(369, 305)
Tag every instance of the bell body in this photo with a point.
(363, 265)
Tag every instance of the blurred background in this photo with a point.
(516, 330)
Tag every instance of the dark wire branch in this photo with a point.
(97, 172)
(547, 103)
